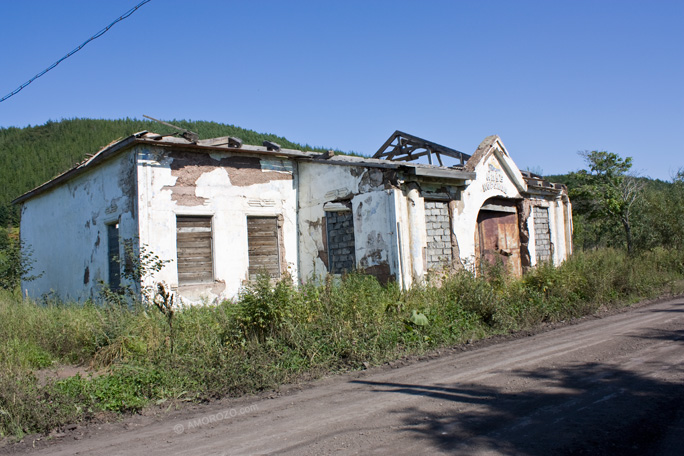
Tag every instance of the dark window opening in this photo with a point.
(113, 258)
(194, 250)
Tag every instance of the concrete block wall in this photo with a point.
(341, 246)
(542, 234)
(438, 234)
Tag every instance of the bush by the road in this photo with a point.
(271, 335)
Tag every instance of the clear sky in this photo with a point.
(551, 78)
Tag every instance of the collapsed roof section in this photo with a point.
(404, 147)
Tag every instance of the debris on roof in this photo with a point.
(187, 134)
(536, 181)
(270, 145)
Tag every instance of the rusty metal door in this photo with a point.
(499, 239)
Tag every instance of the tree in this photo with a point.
(607, 190)
(664, 210)
(15, 260)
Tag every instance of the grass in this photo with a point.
(272, 335)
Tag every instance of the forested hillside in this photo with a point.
(32, 155)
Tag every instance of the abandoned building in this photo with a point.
(220, 212)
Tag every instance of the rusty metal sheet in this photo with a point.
(499, 239)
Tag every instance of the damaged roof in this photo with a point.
(229, 144)
(405, 147)
(397, 153)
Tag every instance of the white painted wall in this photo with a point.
(228, 204)
(66, 228)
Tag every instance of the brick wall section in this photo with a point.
(542, 235)
(341, 249)
(438, 234)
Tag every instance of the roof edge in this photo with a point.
(82, 167)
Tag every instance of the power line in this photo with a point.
(97, 35)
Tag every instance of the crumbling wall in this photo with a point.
(369, 192)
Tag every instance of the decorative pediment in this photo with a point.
(495, 169)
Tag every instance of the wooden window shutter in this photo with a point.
(262, 240)
(193, 238)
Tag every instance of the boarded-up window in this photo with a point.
(341, 245)
(193, 237)
(438, 253)
(113, 262)
(542, 234)
(262, 244)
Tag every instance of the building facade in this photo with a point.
(218, 213)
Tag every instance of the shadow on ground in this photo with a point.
(586, 409)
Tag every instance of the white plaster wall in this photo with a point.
(229, 206)
(373, 208)
(486, 185)
(417, 227)
(66, 229)
(558, 232)
(532, 243)
(374, 230)
(568, 227)
(403, 263)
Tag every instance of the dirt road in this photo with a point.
(613, 385)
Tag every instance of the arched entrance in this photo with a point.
(497, 238)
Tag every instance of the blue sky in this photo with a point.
(550, 77)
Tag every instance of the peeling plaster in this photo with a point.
(188, 167)
(456, 262)
(371, 179)
(524, 210)
(227, 187)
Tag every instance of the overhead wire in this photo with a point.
(97, 35)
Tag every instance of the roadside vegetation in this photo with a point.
(284, 333)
